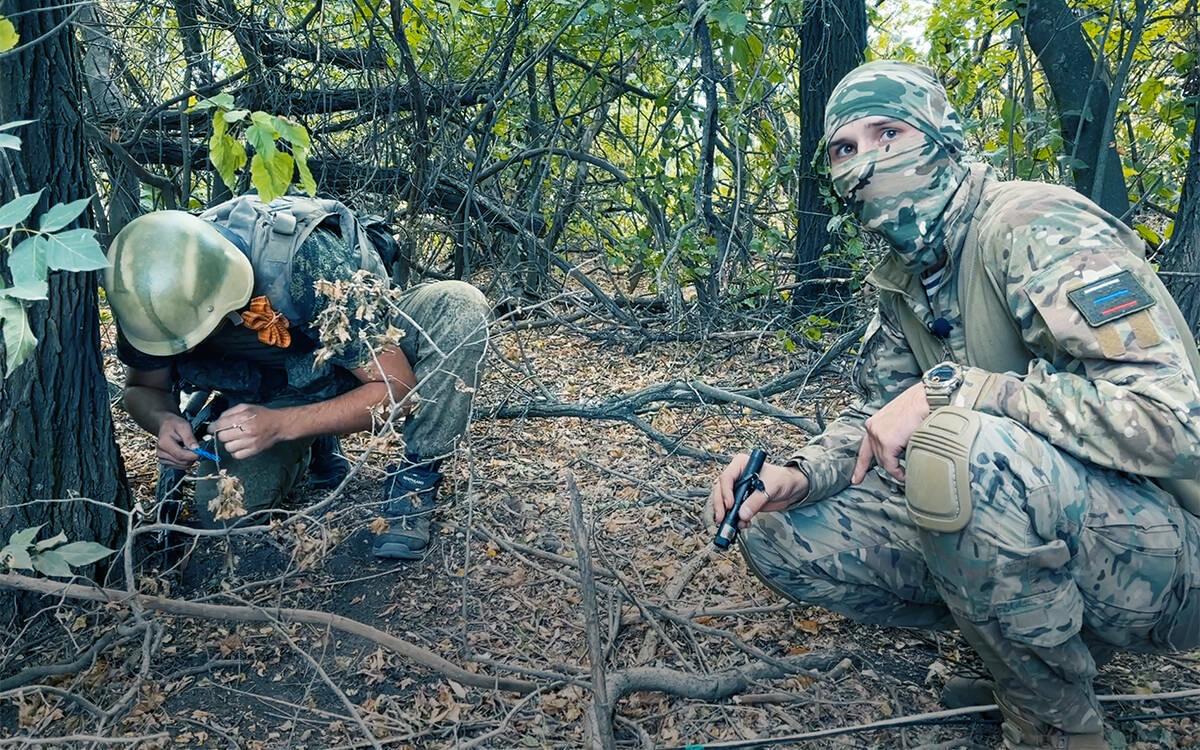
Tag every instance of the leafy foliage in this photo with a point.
(52, 557)
(30, 254)
(8, 35)
(271, 169)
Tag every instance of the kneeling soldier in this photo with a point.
(232, 301)
(1039, 383)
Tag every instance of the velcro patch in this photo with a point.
(1110, 298)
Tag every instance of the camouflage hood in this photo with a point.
(900, 191)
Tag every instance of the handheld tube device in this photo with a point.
(746, 484)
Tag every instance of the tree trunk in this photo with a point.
(833, 35)
(56, 431)
(1082, 96)
(106, 102)
(1180, 261)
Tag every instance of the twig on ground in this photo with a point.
(601, 707)
(503, 723)
(29, 674)
(415, 653)
(368, 734)
(75, 739)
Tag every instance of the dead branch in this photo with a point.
(601, 708)
(250, 613)
(710, 687)
(30, 674)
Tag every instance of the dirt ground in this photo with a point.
(495, 594)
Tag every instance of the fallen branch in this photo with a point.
(249, 613)
(601, 724)
(629, 407)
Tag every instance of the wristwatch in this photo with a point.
(941, 382)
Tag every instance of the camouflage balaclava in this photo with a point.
(900, 191)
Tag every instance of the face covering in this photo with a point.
(901, 191)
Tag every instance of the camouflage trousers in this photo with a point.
(1062, 563)
(445, 326)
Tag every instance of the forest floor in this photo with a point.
(497, 589)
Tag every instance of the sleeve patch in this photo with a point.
(1110, 298)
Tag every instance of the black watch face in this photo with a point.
(942, 372)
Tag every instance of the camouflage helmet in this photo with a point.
(171, 279)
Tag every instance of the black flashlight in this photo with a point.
(746, 484)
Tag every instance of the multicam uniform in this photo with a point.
(1071, 550)
(444, 327)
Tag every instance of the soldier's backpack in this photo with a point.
(993, 341)
(271, 233)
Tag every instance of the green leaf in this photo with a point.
(62, 214)
(18, 209)
(51, 563)
(8, 35)
(19, 340)
(729, 20)
(33, 290)
(82, 553)
(14, 124)
(53, 541)
(17, 558)
(1148, 234)
(222, 101)
(226, 153)
(24, 537)
(74, 250)
(272, 176)
(27, 263)
(235, 115)
(262, 138)
(294, 133)
(10, 142)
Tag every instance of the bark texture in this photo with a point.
(833, 36)
(1181, 258)
(56, 434)
(1081, 94)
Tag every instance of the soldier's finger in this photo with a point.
(889, 459)
(754, 503)
(728, 478)
(866, 457)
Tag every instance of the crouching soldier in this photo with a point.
(1031, 411)
(233, 301)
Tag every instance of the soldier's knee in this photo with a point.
(938, 469)
(460, 295)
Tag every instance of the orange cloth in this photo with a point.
(272, 327)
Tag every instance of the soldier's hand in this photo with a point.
(888, 432)
(247, 430)
(175, 443)
(782, 486)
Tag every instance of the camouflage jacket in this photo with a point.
(235, 362)
(1121, 395)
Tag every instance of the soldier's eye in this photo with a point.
(890, 133)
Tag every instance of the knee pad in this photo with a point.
(937, 486)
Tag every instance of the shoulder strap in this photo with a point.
(993, 339)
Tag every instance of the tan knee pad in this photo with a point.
(937, 485)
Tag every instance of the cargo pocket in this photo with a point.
(1045, 620)
(1126, 564)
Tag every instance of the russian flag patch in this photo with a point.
(1110, 298)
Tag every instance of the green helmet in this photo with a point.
(171, 279)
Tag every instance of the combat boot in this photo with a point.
(1021, 732)
(409, 493)
(327, 467)
(961, 691)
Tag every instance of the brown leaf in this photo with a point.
(230, 643)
